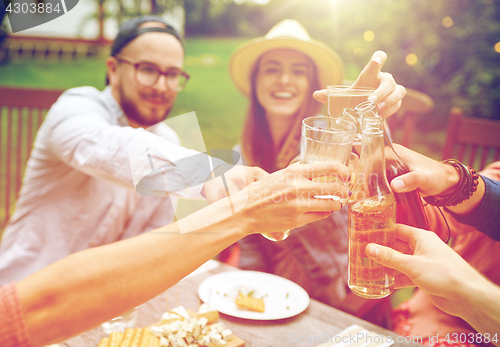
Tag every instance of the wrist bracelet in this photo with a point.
(466, 186)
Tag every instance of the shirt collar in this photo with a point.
(117, 111)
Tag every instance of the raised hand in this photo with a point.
(387, 95)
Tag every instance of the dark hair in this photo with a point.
(256, 142)
(130, 30)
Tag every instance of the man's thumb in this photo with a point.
(387, 256)
(407, 182)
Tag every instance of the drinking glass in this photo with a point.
(322, 141)
(277, 235)
(353, 172)
(341, 97)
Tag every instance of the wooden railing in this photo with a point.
(20, 48)
(21, 114)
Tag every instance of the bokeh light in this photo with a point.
(497, 47)
(411, 59)
(369, 35)
(358, 52)
(447, 22)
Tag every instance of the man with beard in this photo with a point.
(78, 191)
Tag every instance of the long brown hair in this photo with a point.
(256, 142)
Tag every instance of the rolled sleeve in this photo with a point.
(13, 332)
(486, 216)
(86, 141)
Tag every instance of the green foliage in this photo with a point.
(217, 17)
(125, 10)
(456, 66)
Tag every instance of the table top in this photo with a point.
(311, 328)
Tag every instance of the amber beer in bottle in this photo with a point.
(371, 216)
(410, 208)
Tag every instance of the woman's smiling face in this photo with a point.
(283, 82)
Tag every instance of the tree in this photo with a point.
(443, 48)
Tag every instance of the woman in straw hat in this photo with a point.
(279, 74)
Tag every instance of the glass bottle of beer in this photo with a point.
(410, 208)
(371, 216)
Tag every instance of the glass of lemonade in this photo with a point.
(322, 141)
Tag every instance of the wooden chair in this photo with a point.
(21, 114)
(479, 137)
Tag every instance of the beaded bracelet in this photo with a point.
(467, 185)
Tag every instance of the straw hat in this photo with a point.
(286, 34)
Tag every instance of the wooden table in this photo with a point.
(311, 327)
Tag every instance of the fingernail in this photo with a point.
(373, 98)
(372, 250)
(398, 184)
(378, 60)
(381, 105)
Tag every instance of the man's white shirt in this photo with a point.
(79, 192)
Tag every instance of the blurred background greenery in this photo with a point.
(446, 49)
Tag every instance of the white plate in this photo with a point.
(283, 298)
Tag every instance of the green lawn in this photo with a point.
(210, 93)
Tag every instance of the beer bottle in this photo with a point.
(410, 208)
(371, 216)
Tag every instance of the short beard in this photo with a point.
(132, 112)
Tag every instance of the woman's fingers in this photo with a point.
(387, 95)
(376, 63)
(369, 77)
(319, 205)
(389, 110)
(386, 87)
(316, 170)
(321, 96)
(255, 173)
(313, 217)
(392, 102)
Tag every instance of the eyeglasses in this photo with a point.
(147, 74)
